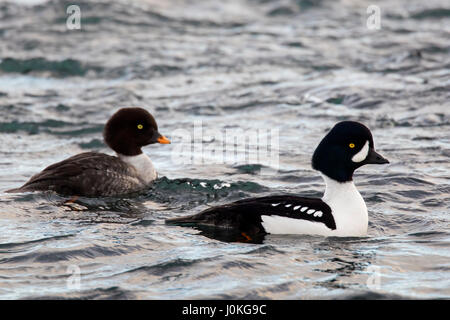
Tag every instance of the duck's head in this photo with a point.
(129, 129)
(348, 146)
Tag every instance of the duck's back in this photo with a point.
(255, 215)
(86, 174)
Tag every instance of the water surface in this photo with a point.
(294, 66)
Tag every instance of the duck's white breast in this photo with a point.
(145, 170)
(348, 208)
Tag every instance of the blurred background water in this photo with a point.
(297, 66)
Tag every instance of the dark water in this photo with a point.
(294, 66)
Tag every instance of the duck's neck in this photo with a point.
(348, 206)
(336, 190)
(143, 165)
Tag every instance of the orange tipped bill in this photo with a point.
(163, 140)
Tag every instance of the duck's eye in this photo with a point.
(140, 126)
(351, 145)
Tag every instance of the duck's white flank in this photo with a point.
(285, 225)
(143, 165)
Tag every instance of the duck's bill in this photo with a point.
(375, 158)
(163, 140)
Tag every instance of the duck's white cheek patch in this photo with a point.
(362, 154)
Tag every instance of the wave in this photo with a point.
(63, 68)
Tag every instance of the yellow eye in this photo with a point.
(140, 126)
(351, 145)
